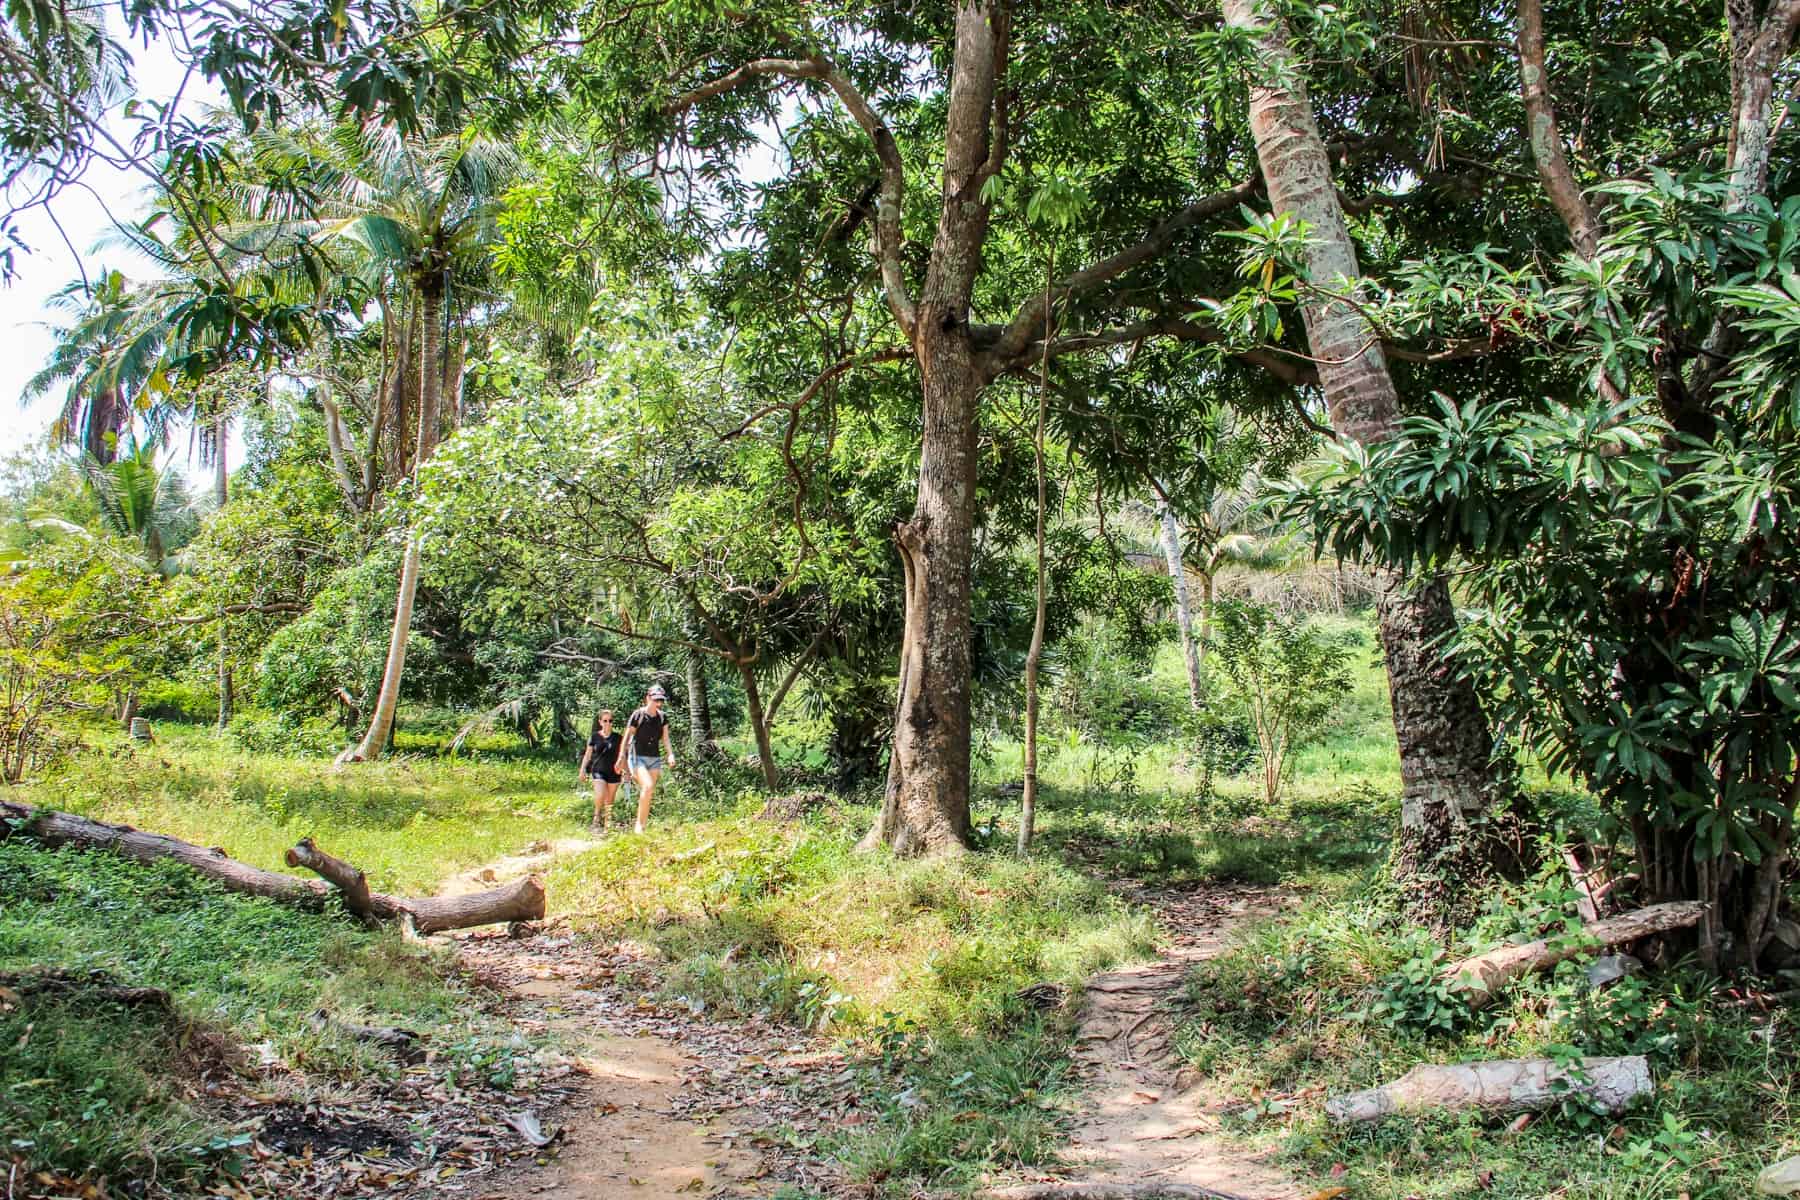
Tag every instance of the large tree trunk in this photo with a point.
(1446, 749)
(1184, 612)
(926, 809)
(520, 901)
(431, 304)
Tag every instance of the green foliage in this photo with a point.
(1285, 674)
(1339, 994)
(339, 642)
(96, 1088)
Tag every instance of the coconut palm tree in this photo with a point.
(105, 357)
(413, 214)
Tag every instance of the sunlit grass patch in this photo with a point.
(409, 821)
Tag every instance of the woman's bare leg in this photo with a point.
(646, 784)
(604, 793)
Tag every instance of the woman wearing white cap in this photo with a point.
(646, 749)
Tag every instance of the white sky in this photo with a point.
(25, 339)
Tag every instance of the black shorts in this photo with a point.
(605, 776)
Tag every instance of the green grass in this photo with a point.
(1288, 1017)
(916, 964)
(409, 821)
(93, 1088)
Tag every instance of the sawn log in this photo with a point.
(520, 901)
(1477, 980)
(1510, 1085)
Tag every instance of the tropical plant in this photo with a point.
(1285, 674)
(142, 501)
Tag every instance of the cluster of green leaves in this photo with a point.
(1634, 569)
(1286, 674)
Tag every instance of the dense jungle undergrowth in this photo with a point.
(917, 965)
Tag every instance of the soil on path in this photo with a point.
(670, 1105)
(1149, 1126)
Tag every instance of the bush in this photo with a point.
(282, 733)
(179, 700)
(1285, 674)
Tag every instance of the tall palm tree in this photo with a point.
(105, 357)
(415, 213)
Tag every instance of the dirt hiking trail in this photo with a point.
(668, 1105)
(1148, 1127)
(671, 1104)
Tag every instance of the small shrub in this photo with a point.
(1285, 674)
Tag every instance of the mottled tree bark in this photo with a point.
(926, 809)
(1546, 141)
(699, 707)
(1446, 749)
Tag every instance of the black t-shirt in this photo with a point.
(603, 756)
(647, 742)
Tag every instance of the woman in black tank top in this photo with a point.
(599, 762)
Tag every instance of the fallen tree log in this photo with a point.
(520, 901)
(1477, 980)
(1508, 1086)
(71, 985)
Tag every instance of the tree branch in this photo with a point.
(888, 234)
(1545, 141)
(1030, 316)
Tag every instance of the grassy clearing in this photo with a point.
(409, 821)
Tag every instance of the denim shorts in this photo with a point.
(650, 762)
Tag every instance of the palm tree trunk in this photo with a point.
(431, 299)
(1184, 613)
(221, 478)
(1445, 745)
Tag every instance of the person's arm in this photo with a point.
(585, 755)
(624, 742)
(668, 744)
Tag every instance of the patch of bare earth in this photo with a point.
(668, 1103)
(1148, 1126)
